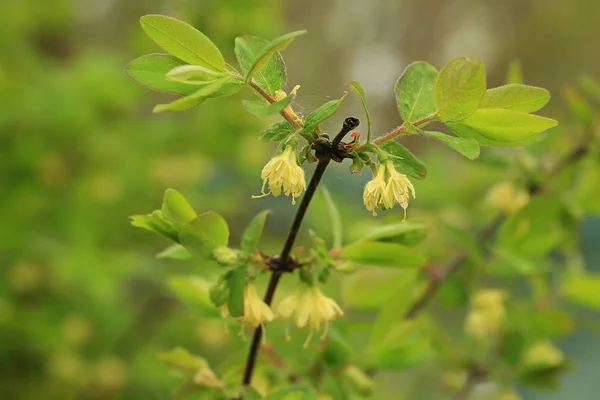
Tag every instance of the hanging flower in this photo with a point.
(256, 311)
(397, 189)
(282, 172)
(308, 306)
(375, 190)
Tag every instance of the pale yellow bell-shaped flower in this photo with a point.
(283, 174)
(256, 311)
(374, 192)
(398, 189)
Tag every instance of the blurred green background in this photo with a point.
(84, 304)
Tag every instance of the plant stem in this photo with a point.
(325, 153)
(398, 131)
(271, 99)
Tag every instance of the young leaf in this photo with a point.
(193, 75)
(204, 233)
(151, 71)
(262, 109)
(409, 233)
(414, 91)
(194, 99)
(382, 255)
(183, 41)
(176, 208)
(253, 232)
(176, 252)
(183, 361)
(507, 125)
(404, 160)
(277, 132)
(235, 302)
(459, 88)
(193, 291)
(336, 219)
(268, 50)
(584, 291)
(468, 133)
(322, 113)
(515, 97)
(360, 92)
(272, 77)
(156, 224)
(467, 147)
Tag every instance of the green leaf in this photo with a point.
(515, 97)
(459, 88)
(322, 113)
(262, 109)
(535, 229)
(360, 92)
(151, 71)
(404, 160)
(272, 77)
(468, 133)
(370, 289)
(277, 132)
(336, 219)
(205, 233)
(507, 125)
(467, 147)
(414, 91)
(194, 99)
(182, 360)
(401, 346)
(176, 252)
(183, 41)
(193, 75)
(235, 302)
(253, 232)
(301, 391)
(192, 291)
(156, 224)
(268, 50)
(408, 233)
(382, 255)
(583, 290)
(176, 208)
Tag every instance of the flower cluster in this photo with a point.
(309, 307)
(387, 188)
(282, 173)
(486, 313)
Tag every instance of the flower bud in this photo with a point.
(225, 256)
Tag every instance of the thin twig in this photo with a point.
(271, 99)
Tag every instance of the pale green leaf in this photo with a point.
(414, 91)
(272, 77)
(322, 113)
(235, 301)
(467, 147)
(335, 217)
(408, 232)
(516, 97)
(360, 92)
(183, 41)
(176, 208)
(194, 99)
(268, 50)
(193, 75)
(405, 161)
(192, 291)
(277, 131)
(155, 223)
(459, 88)
(183, 361)
(253, 232)
(176, 252)
(382, 255)
(370, 289)
(507, 125)
(205, 233)
(151, 71)
(263, 109)
(468, 133)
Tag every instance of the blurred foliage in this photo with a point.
(85, 308)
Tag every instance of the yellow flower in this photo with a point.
(280, 95)
(309, 307)
(397, 189)
(284, 172)
(375, 190)
(256, 311)
(486, 314)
